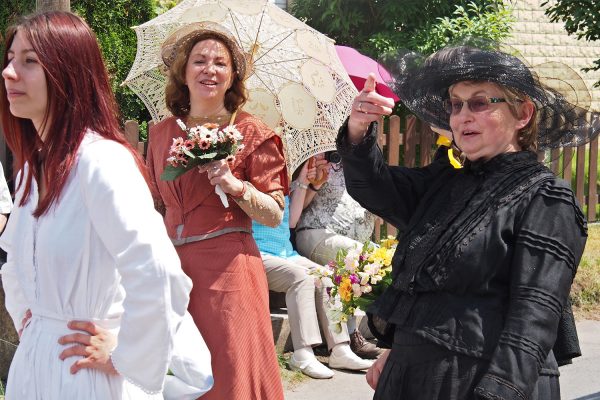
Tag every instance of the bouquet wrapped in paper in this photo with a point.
(356, 278)
(201, 145)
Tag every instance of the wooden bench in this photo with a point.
(281, 326)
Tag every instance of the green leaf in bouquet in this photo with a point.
(367, 247)
(188, 153)
(208, 156)
(171, 173)
(364, 301)
(386, 281)
(340, 256)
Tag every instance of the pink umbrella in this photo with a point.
(358, 66)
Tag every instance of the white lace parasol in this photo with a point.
(297, 84)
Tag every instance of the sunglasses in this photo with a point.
(476, 104)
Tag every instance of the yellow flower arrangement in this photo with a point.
(356, 277)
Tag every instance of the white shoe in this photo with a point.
(311, 367)
(348, 361)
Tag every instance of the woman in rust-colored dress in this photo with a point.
(229, 300)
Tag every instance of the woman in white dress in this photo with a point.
(92, 281)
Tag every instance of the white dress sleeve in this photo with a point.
(122, 213)
(14, 296)
(190, 364)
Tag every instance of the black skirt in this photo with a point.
(417, 369)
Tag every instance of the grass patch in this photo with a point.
(585, 292)
(289, 378)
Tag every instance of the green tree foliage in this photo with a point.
(112, 20)
(161, 6)
(491, 21)
(10, 12)
(380, 26)
(581, 18)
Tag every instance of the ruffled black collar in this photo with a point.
(502, 163)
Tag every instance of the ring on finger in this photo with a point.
(359, 108)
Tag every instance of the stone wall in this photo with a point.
(540, 41)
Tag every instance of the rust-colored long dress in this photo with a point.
(229, 300)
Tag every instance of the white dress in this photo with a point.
(100, 254)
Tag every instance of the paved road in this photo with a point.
(579, 381)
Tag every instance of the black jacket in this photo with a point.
(485, 260)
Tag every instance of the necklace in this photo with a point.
(201, 120)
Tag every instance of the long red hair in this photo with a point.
(79, 98)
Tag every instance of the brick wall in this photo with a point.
(540, 41)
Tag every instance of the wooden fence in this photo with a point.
(408, 142)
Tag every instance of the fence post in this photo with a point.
(381, 141)
(132, 135)
(555, 160)
(427, 143)
(592, 181)
(132, 132)
(580, 174)
(393, 151)
(410, 141)
(567, 173)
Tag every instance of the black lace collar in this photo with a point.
(504, 162)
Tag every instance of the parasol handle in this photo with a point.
(233, 117)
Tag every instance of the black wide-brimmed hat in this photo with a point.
(561, 97)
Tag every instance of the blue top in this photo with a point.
(275, 241)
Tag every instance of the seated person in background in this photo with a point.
(332, 220)
(287, 272)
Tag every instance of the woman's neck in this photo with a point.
(40, 128)
(206, 109)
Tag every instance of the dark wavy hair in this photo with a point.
(177, 94)
(79, 98)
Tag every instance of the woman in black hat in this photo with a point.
(488, 251)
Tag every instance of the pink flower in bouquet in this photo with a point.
(189, 144)
(204, 144)
(201, 145)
